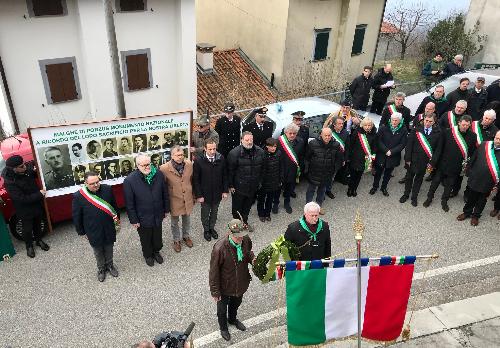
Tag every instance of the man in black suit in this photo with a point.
(228, 128)
(260, 128)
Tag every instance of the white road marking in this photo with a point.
(214, 336)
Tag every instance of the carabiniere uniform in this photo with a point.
(229, 133)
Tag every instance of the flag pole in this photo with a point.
(358, 228)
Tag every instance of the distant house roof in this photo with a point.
(234, 80)
(388, 28)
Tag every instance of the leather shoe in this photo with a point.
(214, 234)
(276, 209)
(293, 195)
(239, 325)
(414, 202)
(44, 246)
(403, 199)
(30, 251)
(207, 236)
(112, 270)
(321, 211)
(427, 203)
(354, 193)
(101, 275)
(288, 209)
(177, 246)
(188, 242)
(349, 193)
(158, 258)
(150, 261)
(474, 221)
(445, 206)
(330, 194)
(493, 213)
(372, 191)
(462, 217)
(262, 218)
(225, 335)
(268, 218)
(384, 192)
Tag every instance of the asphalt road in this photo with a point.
(55, 300)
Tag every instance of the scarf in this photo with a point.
(149, 177)
(395, 129)
(239, 251)
(178, 166)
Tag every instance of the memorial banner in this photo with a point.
(64, 153)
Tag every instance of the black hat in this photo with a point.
(345, 103)
(14, 161)
(298, 114)
(229, 107)
(154, 137)
(261, 111)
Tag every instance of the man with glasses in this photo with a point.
(147, 202)
(27, 197)
(96, 216)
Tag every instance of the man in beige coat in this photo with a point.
(178, 174)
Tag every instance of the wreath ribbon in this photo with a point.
(278, 249)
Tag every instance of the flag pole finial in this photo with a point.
(358, 226)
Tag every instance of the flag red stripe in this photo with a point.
(386, 300)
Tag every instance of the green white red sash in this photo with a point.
(102, 205)
(425, 144)
(369, 157)
(392, 109)
(452, 119)
(492, 162)
(476, 128)
(290, 152)
(459, 139)
(339, 140)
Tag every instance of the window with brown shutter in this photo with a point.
(130, 5)
(137, 68)
(40, 8)
(60, 79)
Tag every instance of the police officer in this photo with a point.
(260, 128)
(228, 128)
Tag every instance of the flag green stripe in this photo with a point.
(306, 306)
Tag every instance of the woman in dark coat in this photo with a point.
(391, 141)
(357, 156)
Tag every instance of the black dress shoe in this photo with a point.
(150, 261)
(414, 202)
(288, 209)
(225, 335)
(207, 235)
(158, 258)
(354, 193)
(262, 218)
(349, 193)
(276, 209)
(101, 275)
(30, 251)
(293, 195)
(445, 206)
(384, 192)
(330, 194)
(372, 191)
(44, 246)
(268, 218)
(427, 202)
(239, 325)
(112, 270)
(214, 234)
(403, 199)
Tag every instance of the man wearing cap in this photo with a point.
(477, 100)
(228, 129)
(260, 128)
(303, 132)
(153, 143)
(202, 133)
(20, 183)
(351, 119)
(229, 276)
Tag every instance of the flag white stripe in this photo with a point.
(341, 301)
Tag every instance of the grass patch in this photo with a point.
(407, 70)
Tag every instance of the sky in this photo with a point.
(442, 7)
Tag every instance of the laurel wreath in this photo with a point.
(280, 246)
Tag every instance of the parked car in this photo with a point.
(451, 83)
(59, 207)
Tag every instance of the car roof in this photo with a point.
(312, 106)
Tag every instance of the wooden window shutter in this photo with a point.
(47, 7)
(61, 82)
(132, 5)
(68, 81)
(137, 71)
(321, 48)
(359, 37)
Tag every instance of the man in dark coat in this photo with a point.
(147, 201)
(450, 118)
(391, 141)
(360, 89)
(460, 93)
(454, 67)
(310, 234)
(341, 136)
(382, 84)
(484, 175)
(430, 108)
(493, 91)
(27, 197)
(292, 148)
(210, 186)
(458, 146)
(268, 196)
(421, 154)
(245, 165)
(433, 69)
(396, 106)
(260, 128)
(477, 99)
(485, 129)
(229, 276)
(303, 132)
(96, 217)
(438, 98)
(228, 129)
(325, 159)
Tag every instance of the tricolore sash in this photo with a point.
(492, 162)
(459, 139)
(290, 152)
(476, 128)
(369, 157)
(425, 144)
(340, 141)
(101, 204)
(452, 119)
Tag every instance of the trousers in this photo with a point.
(355, 179)
(475, 203)
(448, 183)
(32, 229)
(288, 188)
(320, 193)
(186, 227)
(413, 182)
(265, 201)
(241, 204)
(151, 240)
(209, 215)
(387, 172)
(103, 256)
(377, 107)
(227, 309)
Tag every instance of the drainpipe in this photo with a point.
(378, 36)
(9, 98)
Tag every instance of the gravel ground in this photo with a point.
(55, 300)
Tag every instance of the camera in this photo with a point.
(174, 339)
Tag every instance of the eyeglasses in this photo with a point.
(144, 165)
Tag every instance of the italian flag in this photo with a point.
(322, 303)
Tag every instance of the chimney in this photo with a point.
(205, 58)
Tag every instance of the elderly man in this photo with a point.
(178, 173)
(396, 106)
(484, 174)
(96, 216)
(228, 128)
(485, 129)
(382, 84)
(229, 277)
(438, 98)
(360, 89)
(450, 118)
(458, 146)
(454, 67)
(260, 128)
(341, 136)
(351, 119)
(59, 175)
(202, 133)
(293, 148)
(477, 99)
(147, 202)
(310, 234)
(245, 165)
(460, 93)
(325, 158)
(430, 108)
(391, 141)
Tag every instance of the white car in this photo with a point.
(450, 84)
(316, 111)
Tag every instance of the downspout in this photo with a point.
(115, 59)
(9, 98)
(378, 36)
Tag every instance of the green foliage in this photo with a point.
(450, 37)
